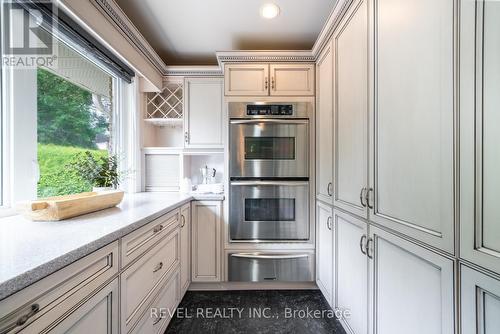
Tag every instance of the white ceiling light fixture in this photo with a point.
(269, 11)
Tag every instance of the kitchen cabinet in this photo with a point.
(480, 133)
(412, 288)
(412, 147)
(203, 112)
(324, 250)
(155, 176)
(351, 270)
(324, 126)
(185, 240)
(206, 218)
(292, 79)
(269, 79)
(350, 120)
(480, 298)
(246, 79)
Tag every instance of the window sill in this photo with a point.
(7, 212)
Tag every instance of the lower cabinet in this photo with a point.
(351, 271)
(185, 238)
(412, 288)
(206, 241)
(324, 276)
(480, 297)
(98, 315)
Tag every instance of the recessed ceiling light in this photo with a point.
(269, 11)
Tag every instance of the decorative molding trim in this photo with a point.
(116, 15)
(191, 71)
(264, 56)
(331, 24)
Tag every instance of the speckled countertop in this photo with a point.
(30, 251)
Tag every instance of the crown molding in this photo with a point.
(116, 15)
(205, 71)
(331, 24)
(264, 56)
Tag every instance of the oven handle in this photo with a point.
(269, 256)
(269, 120)
(270, 183)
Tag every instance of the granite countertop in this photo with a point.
(30, 251)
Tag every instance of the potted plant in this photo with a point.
(99, 171)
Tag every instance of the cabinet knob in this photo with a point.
(158, 228)
(158, 267)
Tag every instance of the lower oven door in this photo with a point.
(269, 211)
(258, 267)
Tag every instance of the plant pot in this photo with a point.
(99, 189)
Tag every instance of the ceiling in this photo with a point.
(189, 32)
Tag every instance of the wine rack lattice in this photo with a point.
(166, 104)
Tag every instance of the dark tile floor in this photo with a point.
(222, 312)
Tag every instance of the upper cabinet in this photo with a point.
(269, 80)
(203, 116)
(480, 133)
(412, 147)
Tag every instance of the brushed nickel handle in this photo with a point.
(329, 189)
(183, 220)
(367, 197)
(266, 83)
(329, 223)
(158, 228)
(22, 319)
(363, 204)
(157, 320)
(269, 256)
(361, 244)
(370, 240)
(158, 267)
(186, 137)
(273, 85)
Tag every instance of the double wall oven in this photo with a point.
(269, 193)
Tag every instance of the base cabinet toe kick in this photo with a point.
(119, 288)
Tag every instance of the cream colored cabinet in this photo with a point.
(412, 147)
(480, 133)
(185, 239)
(350, 115)
(203, 112)
(269, 79)
(412, 288)
(351, 270)
(292, 79)
(206, 219)
(246, 79)
(324, 126)
(480, 299)
(324, 250)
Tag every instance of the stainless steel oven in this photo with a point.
(269, 140)
(269, 210)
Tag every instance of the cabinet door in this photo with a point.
(206, 241)
(412, 288)
(98, 315)
(351, 111)
(413, 120)
(480, 297)
(324, 127)
(203, 112)
(324, 250)
(351, 271)
(480, 133)
(185, 240)
(292, 79)
(246, 79)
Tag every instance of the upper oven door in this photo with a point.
(269, 148)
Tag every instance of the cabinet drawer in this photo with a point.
(140, 280)
(50, 298)
(136, 243)
(158, 315)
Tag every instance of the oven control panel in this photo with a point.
(270, 110)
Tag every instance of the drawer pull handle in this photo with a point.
(362, 245)
(183, 221)
(22, 319)
(158, 267)
(157, 320)
(329, 189)
(158, 228)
